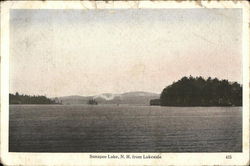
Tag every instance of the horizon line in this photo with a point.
(130, 91)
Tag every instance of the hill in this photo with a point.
(134, 98)
(201, 92)
(27, 99)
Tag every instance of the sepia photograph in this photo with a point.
(110, 82)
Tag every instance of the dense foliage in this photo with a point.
(92, 102)
(26, 99)
(202, 92)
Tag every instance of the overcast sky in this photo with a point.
(88, 52)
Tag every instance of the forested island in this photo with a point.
(26, 99)
(197, 91)
(188, 91)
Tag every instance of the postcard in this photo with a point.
(124, 83)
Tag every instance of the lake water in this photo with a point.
(123, 128)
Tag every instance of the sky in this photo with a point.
(89, 52)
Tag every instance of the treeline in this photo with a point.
(26, 99)
(197, 91)
(92, 102)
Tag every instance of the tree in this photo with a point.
(200, 92)
(26, 99)
(92, 102)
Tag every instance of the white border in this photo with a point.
(83, 158)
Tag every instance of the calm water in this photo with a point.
(111, 128)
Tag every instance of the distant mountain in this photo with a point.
(133, 98)
(75, 99)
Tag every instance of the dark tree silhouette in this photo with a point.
(26, 99)
(92, 102)
(202, 92)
